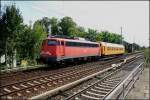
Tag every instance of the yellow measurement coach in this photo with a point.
(111, 49)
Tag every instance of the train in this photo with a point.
(57, 49)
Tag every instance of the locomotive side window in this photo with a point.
(78, 44)
(52, 42)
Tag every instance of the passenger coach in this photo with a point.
(108, 49)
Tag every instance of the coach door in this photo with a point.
(62, 48)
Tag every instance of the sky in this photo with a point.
(132, 16)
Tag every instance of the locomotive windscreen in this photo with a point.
(52, 42)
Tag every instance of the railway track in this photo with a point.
(99, 87)
(29, 73)
(10, 73)
(37, 85)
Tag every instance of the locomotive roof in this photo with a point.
(112, 45)
(73, 40)
(85, 41)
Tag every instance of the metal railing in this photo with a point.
(121, 91)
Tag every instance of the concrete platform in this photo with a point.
(141, 89)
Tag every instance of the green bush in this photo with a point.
(147, 55)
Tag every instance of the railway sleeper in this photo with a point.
(9, 97)
(43, 80)
(19, 94)
(42, 87)
(87, 97)
(98, 91)
(37, 82)
(27, 91)
(114, 78)
(30, 83)
(7, 90)
(93, 94)
(14, 87)
(47, 79)
(107, 84)
(112, 81)
(101, 88)
(23, 85)
(35, 89)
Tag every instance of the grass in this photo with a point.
(147, 55)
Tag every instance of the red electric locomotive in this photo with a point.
(60, 49)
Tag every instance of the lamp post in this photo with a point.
(121, 36)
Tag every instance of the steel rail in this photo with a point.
(70, 97)
(117, 92)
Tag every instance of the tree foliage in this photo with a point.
(68, 26)
(38, 36)
(54, 26)
(11, 21)
(45, 23)
(26, 43)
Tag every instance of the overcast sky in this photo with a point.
(133, 16)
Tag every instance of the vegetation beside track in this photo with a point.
(147, 55)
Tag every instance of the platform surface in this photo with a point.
(141, 89)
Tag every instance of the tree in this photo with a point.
(38, 36)
(54, 26)
(81, 32)
(26, 43)
(11, 21)
(106, 36)
(91, 35)
(67, 26)
(45, 22)
(81, 29)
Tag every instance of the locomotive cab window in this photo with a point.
(52, 42)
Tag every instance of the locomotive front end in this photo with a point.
(48, 52)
